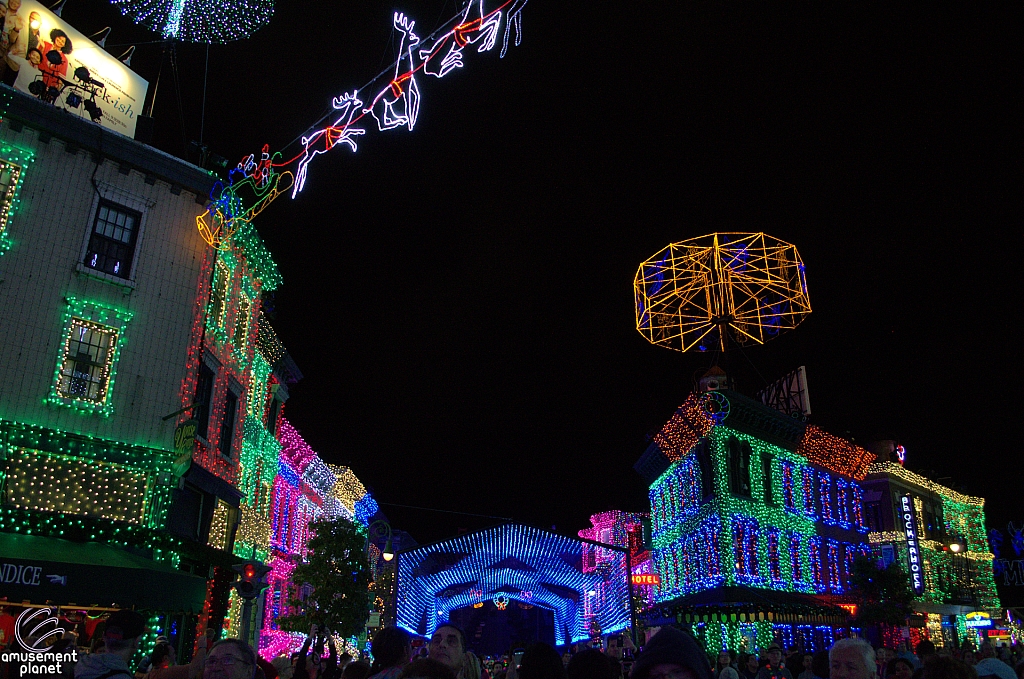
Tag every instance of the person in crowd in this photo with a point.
(392, 649)
(426, 668)
(795, 661)
(672, 654)
(448, 646)
(360, 669)
(749, 666)
(590, 664)
(284, 667)
(946, 668)
(724, 669)
(541, 661)
(148, 660)
(774, 669)
(7, 618)
(120, 642)
(807, 667)
(899, 668)
(969, 657)
(819, 664)
(994, 667)
(882, 657)
(852, 659)
(307, 665)
(471, 667)
(230, 659)
(162, 662)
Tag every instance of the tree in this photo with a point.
(883, 593)
(335, 581)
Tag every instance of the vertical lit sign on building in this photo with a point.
(913, 550)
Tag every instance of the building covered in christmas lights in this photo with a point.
(755, 522)
(938, 535)
(143, 448)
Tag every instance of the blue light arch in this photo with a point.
(523, 563)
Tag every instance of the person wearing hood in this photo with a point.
(121, 640)
(672, 654)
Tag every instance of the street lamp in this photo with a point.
(954, 547)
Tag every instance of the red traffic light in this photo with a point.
(250, 571)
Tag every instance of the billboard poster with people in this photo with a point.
(41, 55)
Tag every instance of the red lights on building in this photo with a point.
(646, 579)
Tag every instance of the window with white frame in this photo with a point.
(219, 294)
(9, 175)
(88, 356)
(242, 322)
(115, 231)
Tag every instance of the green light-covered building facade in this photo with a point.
(755, 522)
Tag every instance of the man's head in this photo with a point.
(852, 659)
(924, 649)
(121, 635)
(448, 645)
(752, 663)
(774, 654)
(672, 654)
(230, 659)
(724, 659)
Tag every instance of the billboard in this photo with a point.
(41, 55)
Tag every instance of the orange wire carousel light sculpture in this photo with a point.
(720, 290)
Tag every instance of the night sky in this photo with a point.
(459, 298)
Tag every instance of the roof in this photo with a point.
(23, 111)
(701, 412)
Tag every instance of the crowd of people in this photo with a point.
(669, 654)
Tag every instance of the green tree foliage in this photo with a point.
(883, 595)
(336, 578)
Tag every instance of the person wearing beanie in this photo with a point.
(672, 654)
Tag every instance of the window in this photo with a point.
(739, 466)
(227, 428)
(219, 294)
(220, 526)
(112, 242)
(707, 469)
(242, 323)
(745, 543)
(817, 567)
(774, 567)
(788, 498)
(825, 491)
(796, 562)
(809, 502)
(204, 394)
(766, 468)
(275, 408)
(89, 351)
(9, 174)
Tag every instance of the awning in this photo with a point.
(43, 570)
(751, 599)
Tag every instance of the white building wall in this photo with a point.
(49, 233)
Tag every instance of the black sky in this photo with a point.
(459, 297)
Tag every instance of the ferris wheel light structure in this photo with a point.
(720, 290)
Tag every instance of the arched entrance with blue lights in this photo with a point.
(584, 584)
